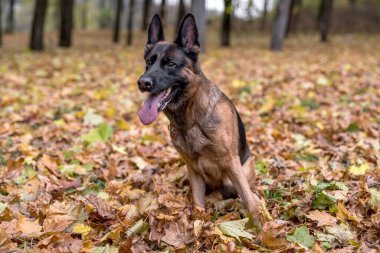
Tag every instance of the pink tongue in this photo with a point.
(148, 113)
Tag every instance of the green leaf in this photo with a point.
(262, 167)
(323, 200)
(235, 228)
(27, 174)
(102, 133)
(309, 103)
(342, 186)
(302, 237)
(326, 245)
(353, 128)
(3, 161)
(330, 186)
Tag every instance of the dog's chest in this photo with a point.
(197, 150)
(190, 142)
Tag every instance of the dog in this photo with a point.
(205, 127)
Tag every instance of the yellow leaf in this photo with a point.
(361, 169)
(79, 228)
(238, 83)
(343, 214)
(268, 105)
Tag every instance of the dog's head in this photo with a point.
(169, 67)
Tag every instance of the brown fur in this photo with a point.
(205, 133)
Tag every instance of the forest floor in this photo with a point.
(80, 173)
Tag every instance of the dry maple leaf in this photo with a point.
(102, 209)
(273, 234)
(28, 228)
(57, 223)
(323, 218)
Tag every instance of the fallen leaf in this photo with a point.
(342, 232)
(28, 228)
(302, 236)
(273, 234)
(235, 228)
(323, 218)
(358, 170)
(81, 229)
(135, 228)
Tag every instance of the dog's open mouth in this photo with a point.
(153, 104)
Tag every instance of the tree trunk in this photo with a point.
(324, 18)
(130, 22)
(198, 8)
(181, 11)
(146, 15)
(116, 28)
(84, 15)
(66, 26)
(279, 26)
(295, 9)
(10, 17)
(37, 35)
(162, 10)
(264, 18)
(103, 13)
(226, 25)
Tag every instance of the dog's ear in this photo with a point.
(187, 35)
(155, 32)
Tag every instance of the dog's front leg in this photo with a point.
(251, 201)
(198, 187)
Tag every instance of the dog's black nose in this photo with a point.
(145, 83)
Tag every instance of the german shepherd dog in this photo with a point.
(205, 127)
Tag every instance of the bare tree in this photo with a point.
(103, 15)
(264, 17)
(10, 17)
(279, 26)
(66, 25)
(116, 28)
(198, 8)
(294, 13)
(37, 34)
(162, 10)
(181, 11)
(146, 14)
(226, 25)
(130, 22)
(324, 18)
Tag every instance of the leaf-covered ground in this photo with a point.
(80, 173)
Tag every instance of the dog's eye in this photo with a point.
(171, 64)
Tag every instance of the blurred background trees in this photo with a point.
(38, 24)
(273, 18)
